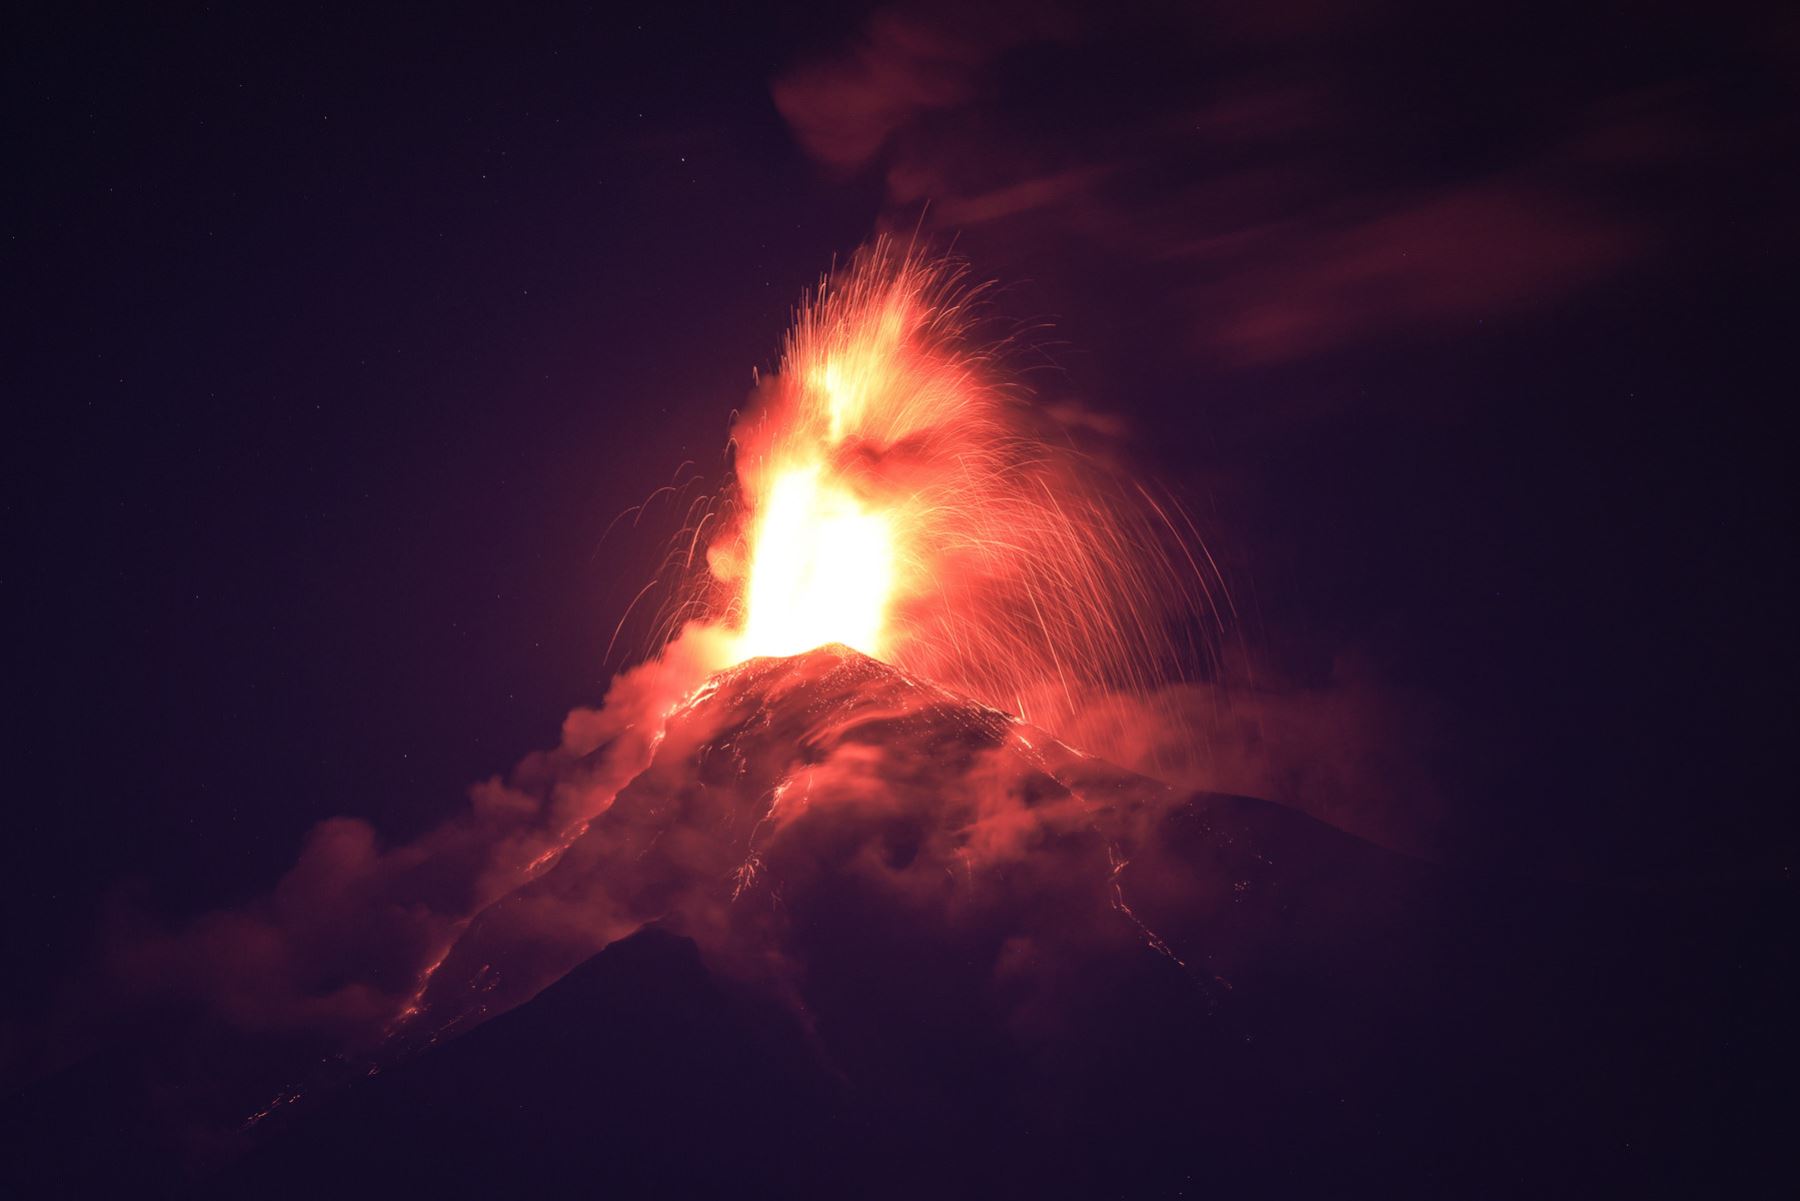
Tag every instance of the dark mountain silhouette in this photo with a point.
(895, 944)
(850, 935)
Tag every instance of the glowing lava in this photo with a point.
(897, 493)
(822, 568)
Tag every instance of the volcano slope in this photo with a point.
(850, 935)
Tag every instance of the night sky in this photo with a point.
(338, 339)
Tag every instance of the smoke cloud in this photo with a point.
(1249, 183)
(1350, 749)
(337, 948)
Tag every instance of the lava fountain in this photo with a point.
(897, 491)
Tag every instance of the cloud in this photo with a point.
(1044, 191)
(845, 107)
(1285, 205)
(1480, 250)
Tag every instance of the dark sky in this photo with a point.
(337, 340)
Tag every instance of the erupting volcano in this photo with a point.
(905, 600)
(868, 882)
(839, 893)
(914, 581)
(833, 825)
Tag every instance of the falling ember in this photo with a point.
(897, 493)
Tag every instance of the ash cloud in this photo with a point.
(903, 66)
(1293, 181)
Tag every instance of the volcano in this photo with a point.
(849, 934)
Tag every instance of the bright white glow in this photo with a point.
(821, 569)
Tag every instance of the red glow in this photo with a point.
(897, 493)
